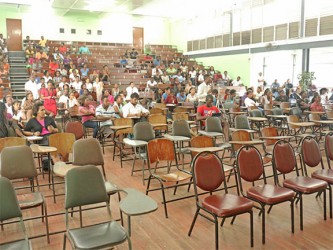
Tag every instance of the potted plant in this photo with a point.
(305, 79)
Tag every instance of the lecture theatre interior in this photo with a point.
(150, 124)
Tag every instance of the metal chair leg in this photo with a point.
(194, 220)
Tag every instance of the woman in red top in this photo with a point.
(53, 66)
(49, 96)
(316, 104)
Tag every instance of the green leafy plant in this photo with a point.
(305, 79)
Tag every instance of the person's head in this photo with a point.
(66, 86)
(8, 100)
(167, 90)
(50, 84)
(46, 73)
(209, 100)
(215, 92)
(227, 91)
(119, 99)
(317, 98)
(275, 81)
(164, 73)
(260, 73)
(132, 84)
(29, 96)
(106, 92)
(303, 94)
(105, 102)
(238, 78)
(323, 91)
(116, 85)
(38, 110)
(42, 37)
(282, 93)
(71, 94)
(267, 92)
(172, 92)
(207, 79)
(57, 73)
(211, 68)
(134, 98)
(16, 106)
(232, 93)
(32, 78)
(225, 72)
(192, 91)
(77, 78)
(65, 92)
(249, 93)
(83, 86)
(83, 100)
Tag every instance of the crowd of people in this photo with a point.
(4, 65)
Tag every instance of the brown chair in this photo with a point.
(180, 116)
(285, 105)
(202, 141)
(158, 119)
(329, 114)
(17, 162)
(11, 141)
(76, 128)
(250, 168)
(311, 156)
(164, 150)
(154, 111)
(180, 109)
(119, 135)
(284, 162)
(208, 166)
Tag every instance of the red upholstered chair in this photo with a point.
(312, 158)
(208, 175)
(284, 162)
(250, 169)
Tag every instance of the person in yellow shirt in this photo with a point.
(43, 43)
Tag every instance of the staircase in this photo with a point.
(17, 74)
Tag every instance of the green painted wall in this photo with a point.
(236, 65)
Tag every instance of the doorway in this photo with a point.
(14, 34)
(138, 40)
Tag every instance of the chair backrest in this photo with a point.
(277, 111)
(267, 132)
(76, 128)
(241, 122)
(159, 105)
(295, 111)
(64, 144)
(87, 152)
(268, 109)
(314, 117)
(202, 141)
(213, 124)
(155, 111)
(284, 159)
(180, 116)
(181, 128)
(235, 109)
(284, 105)
(329, 145)
(143, 131)
(179, 109)
(329, 114)
(293, 118)
(227, 105)
(252, 108)
(208, 173)
(9, 206)
(240, 135)
(311, 152)
(123, 122)
(17, 162)
(157, 119)
(255, 113)
(249, 164)
(161, 149)
(11, 141)
(83, 186)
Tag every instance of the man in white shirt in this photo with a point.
(249, 102)
(105, 112)
(237, 82)
(63, 82)
(32, 86)
(155, 70)
(130, 90)
(151, 84)
(133, 109)
(64, 98)
(203, 89)
(77, 84)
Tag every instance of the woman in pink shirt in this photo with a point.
(316, 104)
(88, 114)
(106, 92)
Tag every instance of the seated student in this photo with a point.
(133, 109)
(27, 106)
(106, 93)
(324, 95)
(106, 113)
(84, 71)
(63, 48)
(130, 90)
(165, 94)
(133, 54)
(40, 124)
(302, 102)
(226, 94)
(84, 50)
(42, 43)
(3, 121)
(208, 109)
(118, 105)
(171, 99)
(249, 102)
(282, 97)
(151, 84)
(8, 100)
(123, 62)
(317, 106)
(267, 97)
(192, 96)
(181, 96)
(88, 114)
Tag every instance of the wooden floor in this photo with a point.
(154, 231)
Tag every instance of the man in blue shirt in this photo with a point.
(165, 95)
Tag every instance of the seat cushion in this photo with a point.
(174, 176)
(270, 194)
(227, 204)
(61, 168)
(98, 236)
(324, 174)
(20, 244)
(30, 200)
(305, 184)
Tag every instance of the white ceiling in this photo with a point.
(162, 8)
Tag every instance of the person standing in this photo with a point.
(203, 89)
(49, 96)
(130, 90)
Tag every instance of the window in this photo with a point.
(73, 31)
(88, 32)
(62, 30)
(99, 32)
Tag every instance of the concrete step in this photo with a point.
(16, 54)
(17, 60)
(18, 65)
